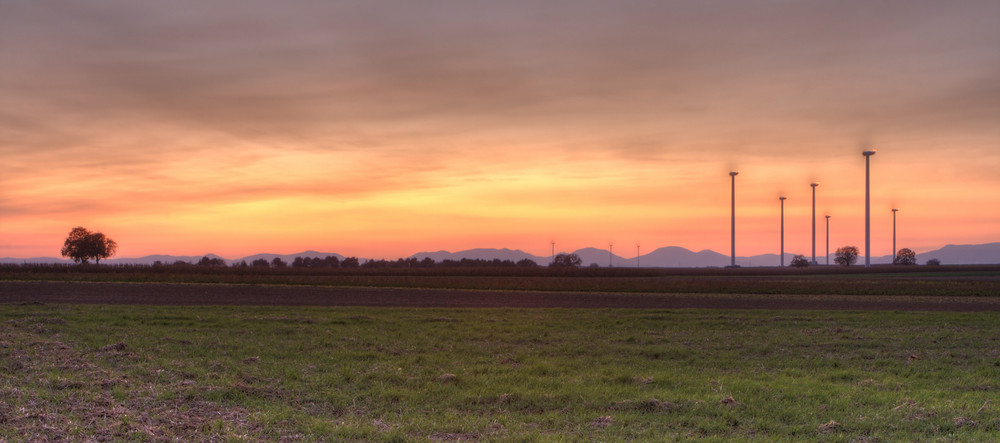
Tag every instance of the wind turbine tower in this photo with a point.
(868, 205)
(814, 185)
(894, 210)
(733, 252)
(782, 230)
(827, 239)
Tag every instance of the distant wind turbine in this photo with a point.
(782, 230)
(868, 213)
(814, 185)
(828, 239)
(894, 210)
(733, 176)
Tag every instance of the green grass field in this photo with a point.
(389, 374)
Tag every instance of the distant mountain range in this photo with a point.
(666, 257)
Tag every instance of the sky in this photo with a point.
(382, 129)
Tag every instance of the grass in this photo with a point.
(385, 374)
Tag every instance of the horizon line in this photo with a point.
(775, 254)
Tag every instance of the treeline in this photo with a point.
(187, 272)
(331, 262)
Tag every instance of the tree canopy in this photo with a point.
(846, 256)
(566, 261)
(82, 245)
(800, 261)
(905, 256)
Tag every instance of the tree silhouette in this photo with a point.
(527, 263)
(566, 261)
(211, 262)
(82, 245)
(933, 262)
(846, 256)
(799, 261)
(905, 256)
(350, 262)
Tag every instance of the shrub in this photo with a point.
(905, 256)
(799, 261)
(566, 261)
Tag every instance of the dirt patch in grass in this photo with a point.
(962, 421)
(117, 347)
(454, 436)
(651, 405)
(642, 380)
(510, 361)
(829, 426)
(602, 422)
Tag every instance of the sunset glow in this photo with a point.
(383, 129)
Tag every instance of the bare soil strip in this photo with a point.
(276, 295)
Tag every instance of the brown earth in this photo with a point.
(276, 295)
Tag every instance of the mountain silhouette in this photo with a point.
(665, 257)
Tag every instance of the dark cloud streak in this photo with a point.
(350, 75)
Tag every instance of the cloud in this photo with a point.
(315, 73)
(187, 105)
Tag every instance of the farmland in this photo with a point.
(437, 371)
(977, 280)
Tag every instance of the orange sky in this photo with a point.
(377, 130)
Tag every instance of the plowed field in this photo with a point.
(278, 295)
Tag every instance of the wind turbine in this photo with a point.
(637, 255)
(611, 254)
(814, 185)
(733, 176)
(868, 214)
(894, 210)
(827, 239)
(782, 230)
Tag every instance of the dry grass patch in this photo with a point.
(50, 391)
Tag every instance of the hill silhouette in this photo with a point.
(665, 257)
